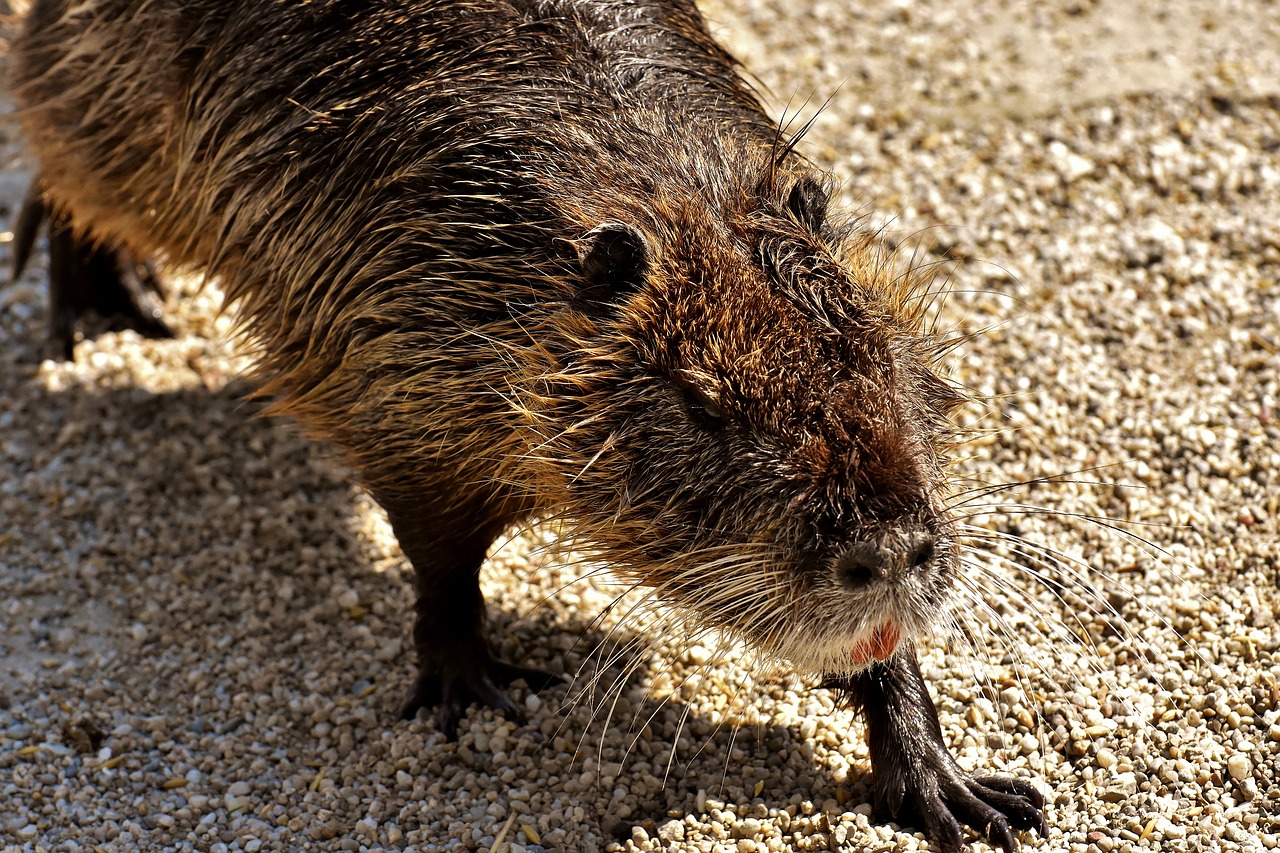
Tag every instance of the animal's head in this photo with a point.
(748, 421)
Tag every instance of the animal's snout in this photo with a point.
(889, 554)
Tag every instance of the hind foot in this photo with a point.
(86, 279)
(461, 685)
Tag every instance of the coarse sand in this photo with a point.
(204, 627)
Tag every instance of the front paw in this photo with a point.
(944, 799)
(456, 688)
(915, 780)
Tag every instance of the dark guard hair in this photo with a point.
(545, 256)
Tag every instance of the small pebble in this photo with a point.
(1239, 767)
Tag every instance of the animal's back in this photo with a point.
(198, 127)
(348, 169)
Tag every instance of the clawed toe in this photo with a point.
(993, 805)
(916, 779)
(536, 679)
(1019, 801)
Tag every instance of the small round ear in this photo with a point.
(808, 203)
(614, 259)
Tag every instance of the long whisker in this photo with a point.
(1064, 478)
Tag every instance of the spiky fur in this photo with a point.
(395, 202)
(547, 256)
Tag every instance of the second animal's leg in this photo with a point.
(915, 777)
(456, 666)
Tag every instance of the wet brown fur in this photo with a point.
(408, 304)
(402, 199)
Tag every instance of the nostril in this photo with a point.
(861, 563)
(889, 555)
(923, 549)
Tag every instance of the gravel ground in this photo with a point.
(205, 628)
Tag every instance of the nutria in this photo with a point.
(550, 257)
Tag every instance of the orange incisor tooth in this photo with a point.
(880, 645)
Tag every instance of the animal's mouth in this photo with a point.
(880, 644)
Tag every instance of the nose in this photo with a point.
(890, 553)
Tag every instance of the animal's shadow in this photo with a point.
(253, 620)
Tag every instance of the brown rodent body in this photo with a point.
(517, 257)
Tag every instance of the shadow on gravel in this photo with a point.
(245, 620)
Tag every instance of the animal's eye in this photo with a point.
(704, 411)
